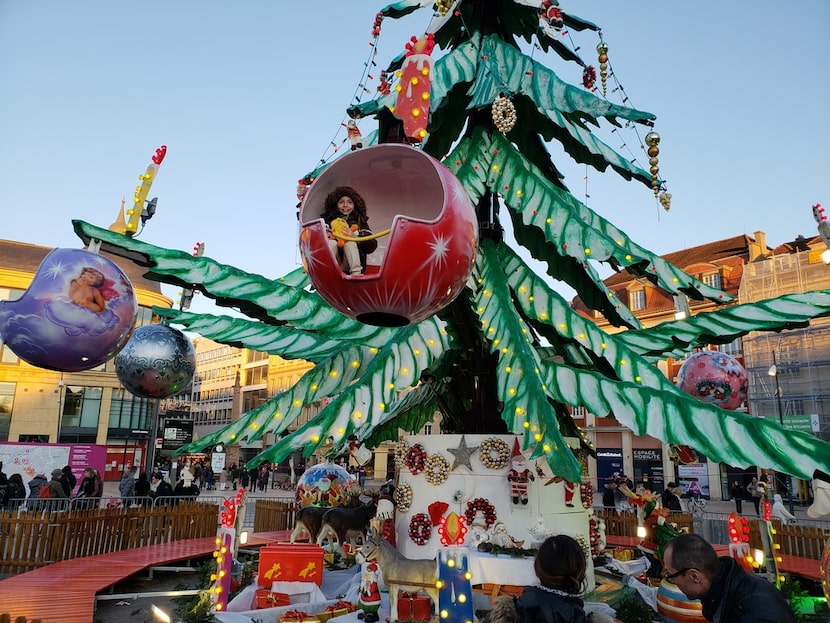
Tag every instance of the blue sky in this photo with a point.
(247, 97)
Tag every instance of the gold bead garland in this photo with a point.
(652, 140)
(494, 453)
(403, 497)
(504, 114)
(437, 469)
(602, 57)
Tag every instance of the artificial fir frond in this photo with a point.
(724, 326)
(526, 408)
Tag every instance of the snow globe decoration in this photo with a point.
(423, 236)
(714, 377)
(76, 314)
(158, 361)
(324, 484)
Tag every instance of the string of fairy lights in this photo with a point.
(647, 143)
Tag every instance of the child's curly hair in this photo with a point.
(560, 564)
(330, 210)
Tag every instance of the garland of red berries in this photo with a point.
(416, 459)
(483, 505)
(420, 528)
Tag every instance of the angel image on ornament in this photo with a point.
(519, 476)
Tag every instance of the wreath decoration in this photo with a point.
(437, 469)
(494, 453)
(483, 505)
(420, 528)
(504, 114)
(403, 497)
(416, 459)
(400, 452)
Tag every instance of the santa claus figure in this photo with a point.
(369, 598)
(519, 475)
(353, 132)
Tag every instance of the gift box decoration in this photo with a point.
(295, 562)
(330, 613)
(414, 606)
(297, 616)
(270, 599)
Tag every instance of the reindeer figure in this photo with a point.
(309, 519)
(347, 523)
(400, 573)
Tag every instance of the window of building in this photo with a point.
(638, 300)
(81, 406)
(579, 413)
(128, 411)
(427, 429)
(6, 406)
(734, 348)
(713, 280)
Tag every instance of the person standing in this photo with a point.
(127, 485)
(69, 480)
(755, 493)
(58, 493)
(737, 493)
(670, 499)
(142, 489)
(727, 593)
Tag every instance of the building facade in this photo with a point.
(749, 271)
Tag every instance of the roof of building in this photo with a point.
(25, 257)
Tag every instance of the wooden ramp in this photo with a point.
(64, 592)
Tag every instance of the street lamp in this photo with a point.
(773, 372)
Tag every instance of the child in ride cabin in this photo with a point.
(344, 212)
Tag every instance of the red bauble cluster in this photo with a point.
(480, 505)
(589, 77)
(593, 535)
(420, 528)
(586, 492)
(416, 459)
(376, 25)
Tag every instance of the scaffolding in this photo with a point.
(801, 356)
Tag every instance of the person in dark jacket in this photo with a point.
(68, 480)
(15, 493)
(160, 489)
(670, 498)
(728, 593)
(142, 489)
(560, 566)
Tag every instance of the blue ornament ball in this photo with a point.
(158, 361)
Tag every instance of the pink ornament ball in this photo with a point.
(714, 377)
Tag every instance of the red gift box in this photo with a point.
(414, 606)
(270, 599)
(290, 562)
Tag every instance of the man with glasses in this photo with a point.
(727, 592)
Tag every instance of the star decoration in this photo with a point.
(462, 454)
